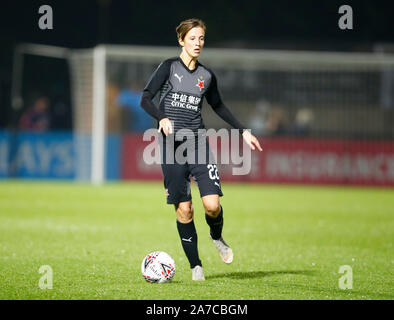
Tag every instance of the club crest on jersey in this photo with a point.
(200, 84)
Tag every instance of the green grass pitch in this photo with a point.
(289, 242)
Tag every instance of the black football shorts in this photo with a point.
(197, 163)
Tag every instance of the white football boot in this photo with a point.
(225, 252)
(198, 274)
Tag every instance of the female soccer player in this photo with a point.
(183, 82)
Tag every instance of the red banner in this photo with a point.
(289, 160)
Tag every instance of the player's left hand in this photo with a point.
(251, 140)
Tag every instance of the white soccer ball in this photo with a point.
(158, 267)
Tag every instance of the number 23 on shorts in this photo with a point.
(213, 171)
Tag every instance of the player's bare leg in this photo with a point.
(214, 218)
(184, 211)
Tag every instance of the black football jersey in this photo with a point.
(182, 92)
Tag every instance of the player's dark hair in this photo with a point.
(186, 25)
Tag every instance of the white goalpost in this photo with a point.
(98, 115)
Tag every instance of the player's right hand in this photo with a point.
(165, 125)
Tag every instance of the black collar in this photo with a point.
(190, 71)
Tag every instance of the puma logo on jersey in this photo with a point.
(178, 77)
(217, 184)
(187, 240)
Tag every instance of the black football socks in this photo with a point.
(188, 235)
(216, 225)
